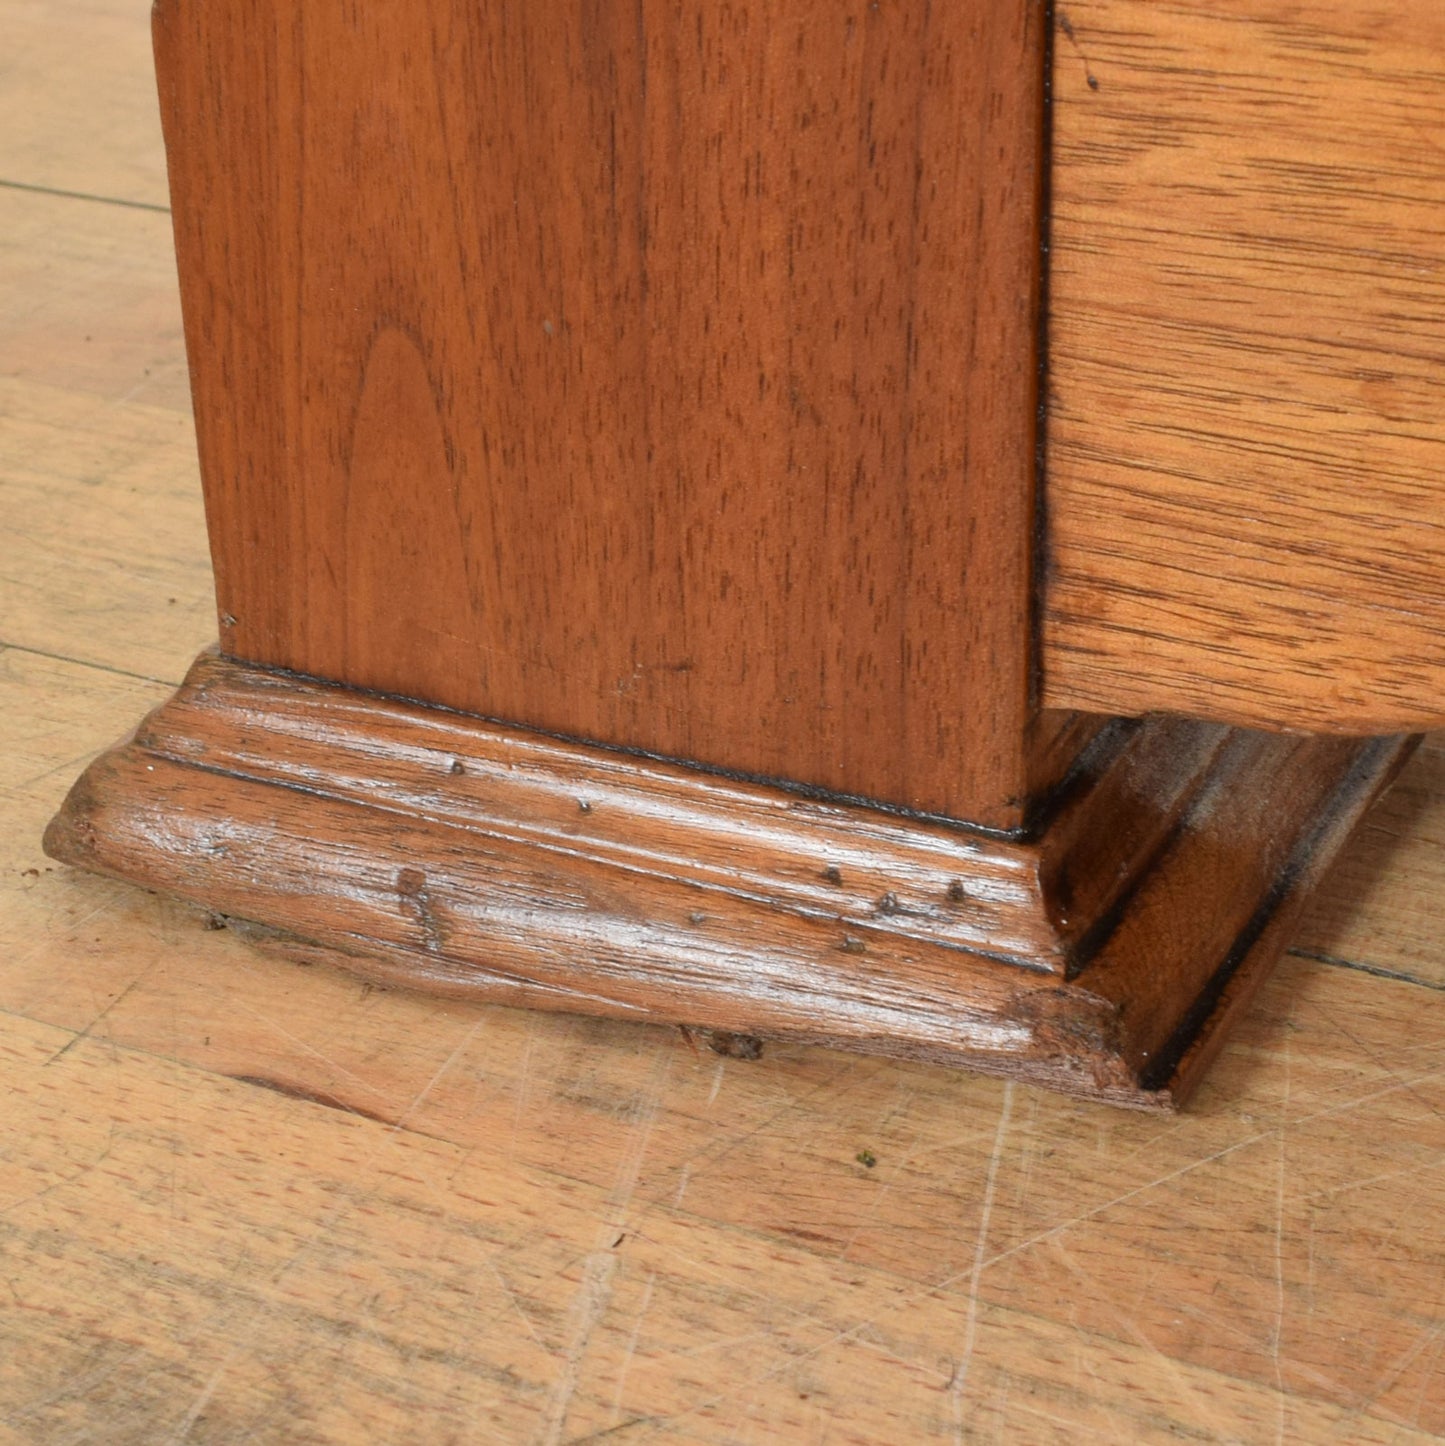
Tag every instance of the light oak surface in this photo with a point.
(245, 1201)
(1247, 336)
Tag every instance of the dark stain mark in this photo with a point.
(1066, 25)
(957, 894)
(733, 1046)
(798, 1233)
(1399, 975)
(866, 1158)
(832, 875)
(310, 1096)
(626, 1425)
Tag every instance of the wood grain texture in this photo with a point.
(1247, 337)
(95, 409)
(67, 459)
(240, 1199)
(326, 1202)
(1379, 903)
(412, 1274)
(662, 376)
(96, 308)
(469, 860)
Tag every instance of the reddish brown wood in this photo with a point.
(466, 858)
(656, 374)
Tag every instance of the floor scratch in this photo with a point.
(322, 1056)
(324, 1227)
(89, 1028)
(631, 1347)
(47, 942)
(204, 1396)
(1201, 1404)
(1277, 1335)
(70, 1179)
(959, 1385)
(594, 1292)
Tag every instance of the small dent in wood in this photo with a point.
(411, 886)
(458, 766)
(957, 894)
(851, 945)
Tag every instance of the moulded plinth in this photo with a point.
(1101, 955)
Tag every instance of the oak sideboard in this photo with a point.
(915, 527)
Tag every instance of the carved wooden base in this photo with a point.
(1101, 956)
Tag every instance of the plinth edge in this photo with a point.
(1103, 956)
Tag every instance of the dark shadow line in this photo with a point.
(84, 196)
(6, 647)
(1377, 970)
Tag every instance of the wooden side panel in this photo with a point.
(1246, 490)
(659, 374)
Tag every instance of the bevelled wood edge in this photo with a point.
(444, 852)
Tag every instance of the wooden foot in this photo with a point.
(1101, 955)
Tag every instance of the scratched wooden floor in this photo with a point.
(248, 1201)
